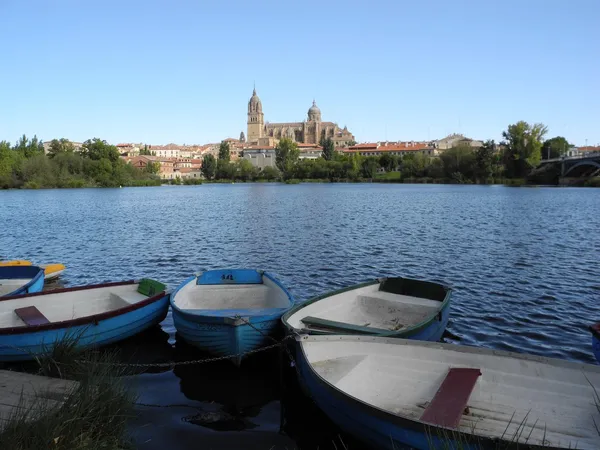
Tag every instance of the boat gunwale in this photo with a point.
(93, 319)
(369, 331)
(203, 316)
(418, 425)
(40, 274)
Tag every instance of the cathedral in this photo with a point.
(311, 131)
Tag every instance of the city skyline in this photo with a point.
(158, 73)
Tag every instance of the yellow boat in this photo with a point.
(51, 271)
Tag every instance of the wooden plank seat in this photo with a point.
(31, 316)
(450, 400)
(343, 327)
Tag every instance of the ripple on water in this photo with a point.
(524, 274)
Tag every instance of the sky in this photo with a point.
(183, 71)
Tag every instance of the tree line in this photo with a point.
(515, 157)
(96, 164)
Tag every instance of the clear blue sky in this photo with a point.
(182, 71)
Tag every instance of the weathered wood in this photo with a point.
(22, 391)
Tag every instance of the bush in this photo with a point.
(192, 181)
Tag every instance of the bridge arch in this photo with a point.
(582, 163)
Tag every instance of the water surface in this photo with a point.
(523, 263)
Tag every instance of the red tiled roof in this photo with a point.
(366, 145)
(589, 148)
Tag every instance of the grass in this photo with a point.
(93, 416)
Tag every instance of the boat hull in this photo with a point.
(222, 336)
(33, 273)
(29, 345)
(230, 332)
(360, 422)
(432, 329)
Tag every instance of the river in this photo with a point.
(523, 263)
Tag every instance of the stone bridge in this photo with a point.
(577, 166)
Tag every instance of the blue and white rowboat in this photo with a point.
(91, 315)
(595, 329)
(229, 312)
(391, 307)
(397, 393)
(19, 280)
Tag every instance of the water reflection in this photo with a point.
(240, 393)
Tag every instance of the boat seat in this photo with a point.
(448, 404)
(116, 301)
(31, 316)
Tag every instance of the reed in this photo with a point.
(93, 416)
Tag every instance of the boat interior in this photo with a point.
(522, 399)
(365, 307)
(7, 285)
(231, 296)
(67, 305)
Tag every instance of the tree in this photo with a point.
(98, 149)
(286, 157)
(60, 146)
(152, 168)
(555, 147)
(145, 151)
(369, 167)
(269, 173)
(224, 152)
(328, 149)
(209, 166)
(29, 148)
(388, 162)
(485, 159)
(245, 170)
(523, 147)
(459, 163)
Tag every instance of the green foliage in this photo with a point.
(97, 149)
(145, 151)
(269, 173)
(99, 164)
(245, 170)
(58, 146)
(388, 162)
(152, 168)
(286, 157)
(555, 147)
(225, 170)
(192, 181)
(209, 166)
(328, 149)
(459, 163)
(224, 152)
(369, 167)
(523, 147)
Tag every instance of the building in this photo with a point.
(260, 156)
(166, 169)
(311, 131)
(455, 140)
(77, 146)
(392, 148)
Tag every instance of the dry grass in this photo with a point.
(93, 416)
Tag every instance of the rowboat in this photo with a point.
(51, 271)
(393, 393)
(391, 307)
(19, 280)
(595, 329)
(229, 312)
(91, 316)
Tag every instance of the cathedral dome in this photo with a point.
(314, 113)
(254, 105)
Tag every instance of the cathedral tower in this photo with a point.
(256, 120)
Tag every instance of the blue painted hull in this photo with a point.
(26, 346)
(359, 420)
(596, 347)
(214, 335)
(34, 273)
(229, 332)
